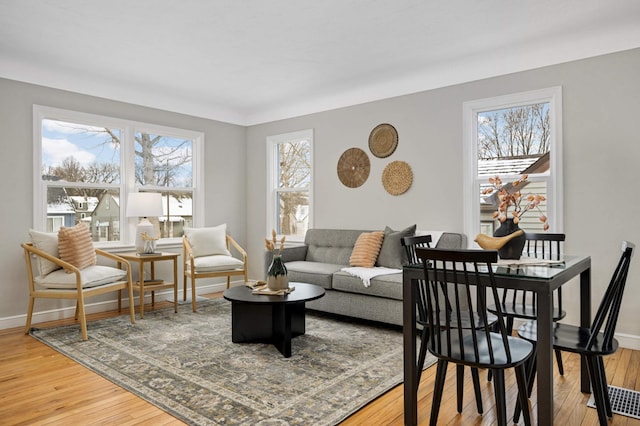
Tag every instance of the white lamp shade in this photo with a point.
(144, 204)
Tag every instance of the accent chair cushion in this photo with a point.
(76, 247)
(47, 242)
(392, 254)
(208, 241)
(217, 263)
(365, 251)
(90, 276)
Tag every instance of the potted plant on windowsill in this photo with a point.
(509, 239)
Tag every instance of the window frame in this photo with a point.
(272, 179)
(127, 182)
(553, 177)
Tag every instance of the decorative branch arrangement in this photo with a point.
(514, 197)
(271, 244)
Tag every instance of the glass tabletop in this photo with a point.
(525, 269)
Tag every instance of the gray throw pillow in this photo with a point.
(392, 254)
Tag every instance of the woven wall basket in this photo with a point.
(397, 177)
(383, 140)
(353, 167)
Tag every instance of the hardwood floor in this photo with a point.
(40, 386)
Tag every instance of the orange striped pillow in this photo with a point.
(365, 251)
(76, 247)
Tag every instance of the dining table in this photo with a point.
(541, 278)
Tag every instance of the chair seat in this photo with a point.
(527, 311)
(520, 350)
(465, 323)
(569, 338)
(216, 263)
(91, 276)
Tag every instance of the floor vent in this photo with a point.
(623, 401)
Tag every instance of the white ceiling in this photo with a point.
(253, 61)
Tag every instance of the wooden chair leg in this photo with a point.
(523, 401)
(422, 355)
(605, 386)
(459, 386)
(530, 371)
(596, 384)
(83, 318)
(228, 281)
(132, 308)
(193, 293)
(499, 391)
(27, 327)
(559, 361)
(475, 377)
(184, 286)
(441, 372)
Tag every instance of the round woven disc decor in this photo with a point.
(397, 177)
(353, 167)
(383, 140)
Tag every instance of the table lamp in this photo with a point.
(144, 205)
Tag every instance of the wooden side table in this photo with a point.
(152, 284)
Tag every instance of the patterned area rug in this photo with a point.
(186, 364)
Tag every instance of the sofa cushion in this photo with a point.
(75, 246)
(331, 245)
(312, 272)
(389, 286)
(47, 242)
(208, 241)
(365, 251)
(91, 276)
(214, 263)
(392, 254)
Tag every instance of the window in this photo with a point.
(290, 177)
(509, 136)
(85, 165)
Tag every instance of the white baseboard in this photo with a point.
(109, 305)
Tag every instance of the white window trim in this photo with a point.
(127, 175)
(471, 188)
(272, 177)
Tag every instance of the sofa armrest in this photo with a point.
(289, 254)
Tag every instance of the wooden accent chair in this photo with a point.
(476, 346)
(206, 254)
(62, 280)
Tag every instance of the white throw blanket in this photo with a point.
(366, 274)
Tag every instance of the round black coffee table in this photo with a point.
(258, 318)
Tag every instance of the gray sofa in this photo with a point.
(326, 251)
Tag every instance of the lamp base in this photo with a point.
(143, 226)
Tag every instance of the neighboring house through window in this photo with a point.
(85, 165)
(290, 183)
(509, 136)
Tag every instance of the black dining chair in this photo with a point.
(521, 304)
(593, 342)
(424, 241)
(462, 276)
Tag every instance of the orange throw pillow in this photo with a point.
(365, 251)
(76, 247)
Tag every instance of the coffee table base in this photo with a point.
(275, 324)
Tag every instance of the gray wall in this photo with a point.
(601, 119)
(601, 109)
(225, 176)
